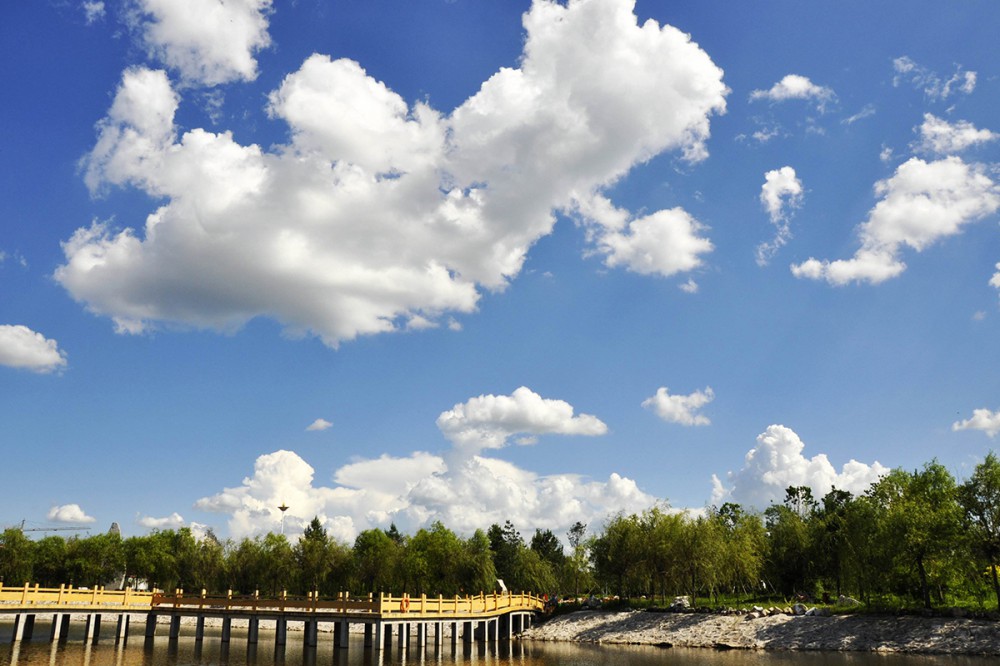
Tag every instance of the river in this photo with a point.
(187, 652)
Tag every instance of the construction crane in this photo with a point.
(52, 529)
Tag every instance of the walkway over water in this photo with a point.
(490, 617)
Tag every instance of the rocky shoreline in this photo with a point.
(839, 633)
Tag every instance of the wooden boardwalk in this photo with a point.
(486, 618)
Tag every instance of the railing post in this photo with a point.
(60, 597)
(24, 595)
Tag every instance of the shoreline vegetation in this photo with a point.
(858, 632)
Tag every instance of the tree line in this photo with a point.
(912, 538)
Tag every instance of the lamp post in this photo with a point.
(283, 508)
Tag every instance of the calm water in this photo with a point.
(187, 652)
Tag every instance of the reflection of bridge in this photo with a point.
(491, 617)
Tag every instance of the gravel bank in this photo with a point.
(780, 632)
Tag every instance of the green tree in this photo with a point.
(375, 555)
(95, 560)
(15, 557)
(980, 501)
(617, 554)
(477, 570)
(313, 557)
(923, 520)
(50, 561)
(578, 560)
(789, 549)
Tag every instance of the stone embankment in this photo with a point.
(778, 631)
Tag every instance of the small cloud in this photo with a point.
(490, 421)
(93, 12)
(21, 347)
(319, 424)
(171, 522)
(944, 138)
(932, 85)
(689, 287)
(780, 194)
(454, 324)
(795, 86)
(680, 409)
(980, 315)
(868, 110)
(982, 419)
(886, 154)
(69, 513)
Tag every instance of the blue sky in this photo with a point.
(477, 261)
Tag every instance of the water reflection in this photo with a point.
(161, 651)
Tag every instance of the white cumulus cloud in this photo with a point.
(682, 409)
(944, 138)
(489, 421)
(796, 86)
(319, 424)
(921, 203)
(21, 347)
(982, 419)
(379, 215)
(206, 41)
(172, 522)
(69, 513)
(777, 462)
(461, 488)
(93, 11)
(780, 194)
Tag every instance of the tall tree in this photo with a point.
(980, 500)
(15, 557)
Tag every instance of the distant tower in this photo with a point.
(283, 508)
(115, 530)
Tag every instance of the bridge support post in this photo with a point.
(280, 631)
(121, 628)
(227, 630)
(468, 628)
(310, 631)
(23, 625)
(253, 630)
(60, 627)
(421, 635)
(505, 627)
(368, 634)
(341, 634)
(438, 637)
(454, 635)
(175, 627)
(404, 635)
(92, 630)
(199, 629)
(150, 625)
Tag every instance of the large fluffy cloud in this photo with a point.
(921, 203)
(682, 409)
(21, 347)
(780, 194)
(378, 215)
(461, 488)
(206, 41)
(69, 513)
(776, 463)
(982, 419)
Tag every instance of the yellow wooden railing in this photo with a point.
(16, 599)
(66, 595)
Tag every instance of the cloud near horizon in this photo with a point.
(379, 215)
(777, 462)
(69, 513)
(464, 490)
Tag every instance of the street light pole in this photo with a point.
(283, 508)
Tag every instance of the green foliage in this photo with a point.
(16, 557)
